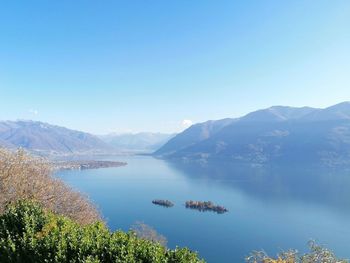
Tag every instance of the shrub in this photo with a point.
(147, 232)
(23, 176)
(28, 233)
(317, 254)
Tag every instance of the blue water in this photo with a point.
(269, 208)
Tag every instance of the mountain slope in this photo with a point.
(339, 111)
(193, 135)
(44, 138)
(282, 134)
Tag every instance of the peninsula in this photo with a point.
(83, 165)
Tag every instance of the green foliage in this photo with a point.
(30, 234)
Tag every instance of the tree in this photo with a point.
(23, 176)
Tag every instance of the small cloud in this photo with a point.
(34, 112)
(186, 123)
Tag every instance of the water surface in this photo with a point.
(269, 208)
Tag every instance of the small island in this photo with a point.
(165, 203)
(83, 165)
(205, 206)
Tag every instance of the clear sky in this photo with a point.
(103, 66)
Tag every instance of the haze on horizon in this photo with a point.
(158, 66)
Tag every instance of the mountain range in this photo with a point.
(46, 139)
(276, 134)
(50, 140)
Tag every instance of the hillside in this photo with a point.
(276, 134)
(194, 134)
(43, 138)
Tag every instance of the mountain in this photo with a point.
(137, 142)
(278, 113)
(194, 134)
(336, 112)
(277, 134)
(45, 139)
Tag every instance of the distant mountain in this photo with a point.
(276, 134)
(46, 139)
(137, 142)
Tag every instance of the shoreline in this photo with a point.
(85, 165)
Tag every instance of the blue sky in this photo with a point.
(102, 66)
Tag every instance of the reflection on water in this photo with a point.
(323, 186)
(273, 208)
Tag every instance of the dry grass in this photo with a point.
(23, 176)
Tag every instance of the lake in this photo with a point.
(270, 208)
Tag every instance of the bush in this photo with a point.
(28, 233)
(23, 176)
(147, 232)
(317, 254)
